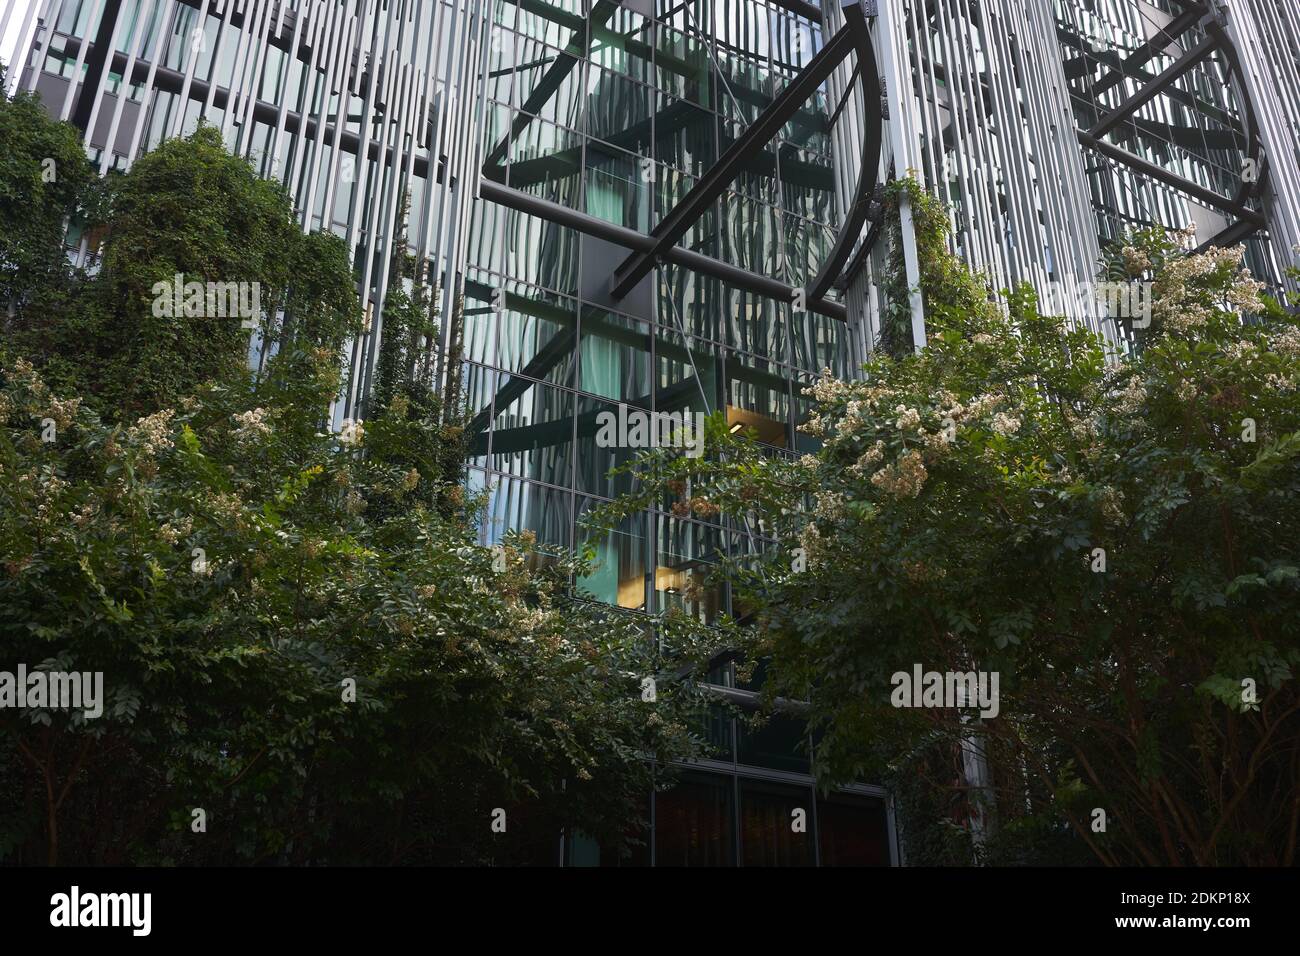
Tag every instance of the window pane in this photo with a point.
(536, 332)
(779, 744)
(533, 433)
(595, 462)
(524, 247)
(767, 837)
(516, 505)
(694, 823)
(618, 576)
(687, 552)
(676, 364)
(616, 191)
(618, 109)
(852, 831)
(615, 357)
(545, 161)
(479, 318)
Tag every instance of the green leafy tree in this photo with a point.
(46, 183)
(298, 631)
(187, 209)
(1117, 536)
(228, 567)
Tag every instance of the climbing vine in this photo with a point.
(952, 294)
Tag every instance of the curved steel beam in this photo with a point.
(1153, 89)
(1183, 185)
(864, 194)
(1254, 142)
(1216, 40)
(705, 192)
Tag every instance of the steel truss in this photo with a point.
(660, 245)
(854, 36)
(1246, 220)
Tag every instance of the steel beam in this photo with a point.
(1153, 89)
(1190, 100)
(869, 169)
(1208, 196)
(707, 190)
(808, 11)
(555, 75)
(1231, 236)
(1143, 54)
(631, 239)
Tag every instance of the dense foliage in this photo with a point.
(1117, 536)
(45, 183)
(298, 632)
(185, 210)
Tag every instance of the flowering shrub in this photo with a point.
(227, 566)
(1116, 534)
(299, 633)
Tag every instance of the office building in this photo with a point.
(675, 205)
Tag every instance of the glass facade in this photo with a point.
(616, 112)
(538, 144)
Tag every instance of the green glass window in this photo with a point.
(614, 358)
(616, 190)
(618, 574)
(536, 332)
(515, 505)
(533, 433)
(594, 461)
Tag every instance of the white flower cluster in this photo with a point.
(227, 507)
(1130, 398)
(173, 532)
(151, 432)
(810, 540)
(909, 419)
(903, 479)
(252, 424)
(1181, 307)
(1005, 424)
(1135, 260)
(1287, 342)
(868, 460)
(84, 515)
(977, 407)
(53, 487)
(1112, 504)
(62, 411)
(827, 387)
(1082, 429)
(829, 505)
